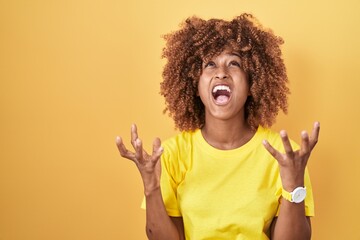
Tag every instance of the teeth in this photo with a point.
(221, 87)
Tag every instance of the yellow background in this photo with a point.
(74, 74)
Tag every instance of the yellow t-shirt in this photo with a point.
(224, 194)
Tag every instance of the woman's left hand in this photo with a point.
(292, 163)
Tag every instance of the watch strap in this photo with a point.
(291, 195)
(287, 195)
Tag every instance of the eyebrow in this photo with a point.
(234, 54)
(230, 54)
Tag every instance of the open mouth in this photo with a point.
(221, 94)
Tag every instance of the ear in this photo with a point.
(249, 91)
(249, 85)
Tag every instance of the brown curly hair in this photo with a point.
(199, 40)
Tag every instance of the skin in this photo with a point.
(231, 132)
(292, 222)
(150, 170)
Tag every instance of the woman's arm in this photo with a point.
(292, 222)
(159, 225)
(178, 221)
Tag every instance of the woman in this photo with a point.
(226, 175)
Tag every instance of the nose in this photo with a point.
(221, 73)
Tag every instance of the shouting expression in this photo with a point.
(223, 86)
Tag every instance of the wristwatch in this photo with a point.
(296, 196)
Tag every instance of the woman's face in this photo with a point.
(223, 87)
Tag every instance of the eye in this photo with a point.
(234, 63)
(209, 64)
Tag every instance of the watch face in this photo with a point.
(299, 195)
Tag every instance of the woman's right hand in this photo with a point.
(148, 165)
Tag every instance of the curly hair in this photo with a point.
(199, 40)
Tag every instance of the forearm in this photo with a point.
(291, 223)
(158, 223)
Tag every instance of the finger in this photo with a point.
(286, 142)
(134, 135)
(314, 135)
(157, 149)
(305, 144)
(275, 153)
(122, 149)
(139, 150)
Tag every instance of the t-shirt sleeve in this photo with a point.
(169, 183)
(309, 200)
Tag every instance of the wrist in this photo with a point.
(290, 182)
(289, 187)
(151, 184)
(296, 196)
(149, 190)
(292, 179)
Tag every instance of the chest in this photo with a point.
(233, 195)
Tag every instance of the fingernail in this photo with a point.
(283, 133)
(304, 134)
(264, 142)
(118, 139)
(138, 141)
(317, 124)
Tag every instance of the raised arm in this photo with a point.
(158, 224)
(292, 222)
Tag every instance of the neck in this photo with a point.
(227, 134)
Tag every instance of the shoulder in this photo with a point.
(180, 142)
(178, 147)
(269, 134)
(176, 157)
